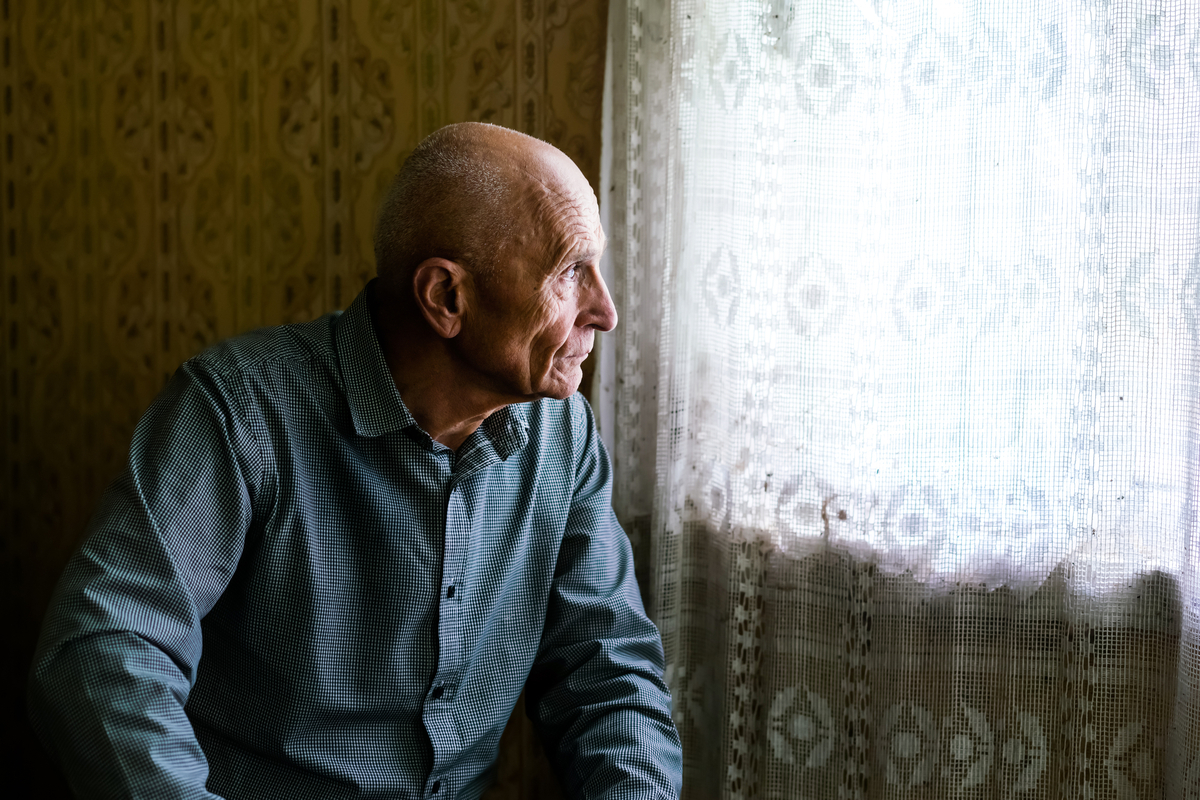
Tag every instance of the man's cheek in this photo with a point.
(543, 317)
(538, 315)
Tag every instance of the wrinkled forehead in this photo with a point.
(561, 210)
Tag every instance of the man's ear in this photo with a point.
(441, 288)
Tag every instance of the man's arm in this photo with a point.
(121, 641)
(596, 692)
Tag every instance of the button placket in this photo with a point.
(438, 713)
(458, 531)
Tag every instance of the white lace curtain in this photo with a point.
(903, 403)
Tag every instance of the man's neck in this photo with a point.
(443, 401)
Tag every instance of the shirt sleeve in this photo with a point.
(121, 640)
(595, 692)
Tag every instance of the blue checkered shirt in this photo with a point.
(370, 603)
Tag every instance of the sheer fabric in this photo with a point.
(903, 395)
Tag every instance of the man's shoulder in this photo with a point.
(277, 347)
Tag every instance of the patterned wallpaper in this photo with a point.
(177, 172)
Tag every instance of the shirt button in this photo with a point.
(437, 785)
(450, 592)
(437, 693)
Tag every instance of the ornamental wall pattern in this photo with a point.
(174, 173)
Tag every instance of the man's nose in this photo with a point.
(597, 310)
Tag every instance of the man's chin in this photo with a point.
(562, 392)
(561, 386)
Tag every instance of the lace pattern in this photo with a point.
(905, 387)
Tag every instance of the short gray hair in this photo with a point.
(451, 200)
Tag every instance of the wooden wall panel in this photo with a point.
(176, 172)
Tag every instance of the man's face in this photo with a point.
(536, 316)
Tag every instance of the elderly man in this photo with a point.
(340, 549)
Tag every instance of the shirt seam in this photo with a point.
(237, 397)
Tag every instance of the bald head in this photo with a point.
(463, 195)
(488, 251)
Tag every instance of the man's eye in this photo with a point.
(570, 273)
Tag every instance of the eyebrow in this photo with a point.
(591, 252)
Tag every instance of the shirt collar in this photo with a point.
(495, 440)
(508, 429)
(376, 406)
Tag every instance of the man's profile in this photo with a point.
(339, 550)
